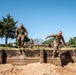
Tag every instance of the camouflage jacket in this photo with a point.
(21, 31)
(58, 39)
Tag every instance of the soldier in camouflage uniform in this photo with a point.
(31, 43)
(20, 32)
(57, 42)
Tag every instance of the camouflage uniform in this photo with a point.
(31, 43)
(57, 43)
(20, 32)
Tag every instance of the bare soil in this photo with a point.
(38, 69)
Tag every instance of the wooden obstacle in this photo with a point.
(42, 55)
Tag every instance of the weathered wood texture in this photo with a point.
(43, 55)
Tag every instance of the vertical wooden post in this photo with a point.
(42, 56)
(3, 57)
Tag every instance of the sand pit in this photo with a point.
(38, 69)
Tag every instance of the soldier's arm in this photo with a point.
(53, 35)
(26, 32)
(63, 40)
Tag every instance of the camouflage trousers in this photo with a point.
(20, 40)
(57, 49)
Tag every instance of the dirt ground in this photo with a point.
(38, 69)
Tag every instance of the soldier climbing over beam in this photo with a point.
(58, 40)
(21, 34)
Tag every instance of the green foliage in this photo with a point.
(48, 41)
(72, 41)
(7, 27)
(1, 29)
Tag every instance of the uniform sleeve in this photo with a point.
(63, 40)
(26, 31)
(53, 35)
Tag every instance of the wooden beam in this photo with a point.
(65, 48)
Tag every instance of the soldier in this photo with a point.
(31, 43)
(57, 42)
(21, 33)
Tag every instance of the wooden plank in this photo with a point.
(41, 56)
(64, 48)
(32, 56)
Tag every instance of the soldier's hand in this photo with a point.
(64, 45)
(47, 37)
(26, 34)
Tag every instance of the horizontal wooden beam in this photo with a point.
(65, 48)
(42, 55)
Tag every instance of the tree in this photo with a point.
(8, 27)
(1, 29)
(72, 41)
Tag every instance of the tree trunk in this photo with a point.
(6, 40)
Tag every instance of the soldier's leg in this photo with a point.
(22, 40)
(19, 41)
(59, 50)
(54, 51)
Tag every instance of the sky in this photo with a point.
(42, 17)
